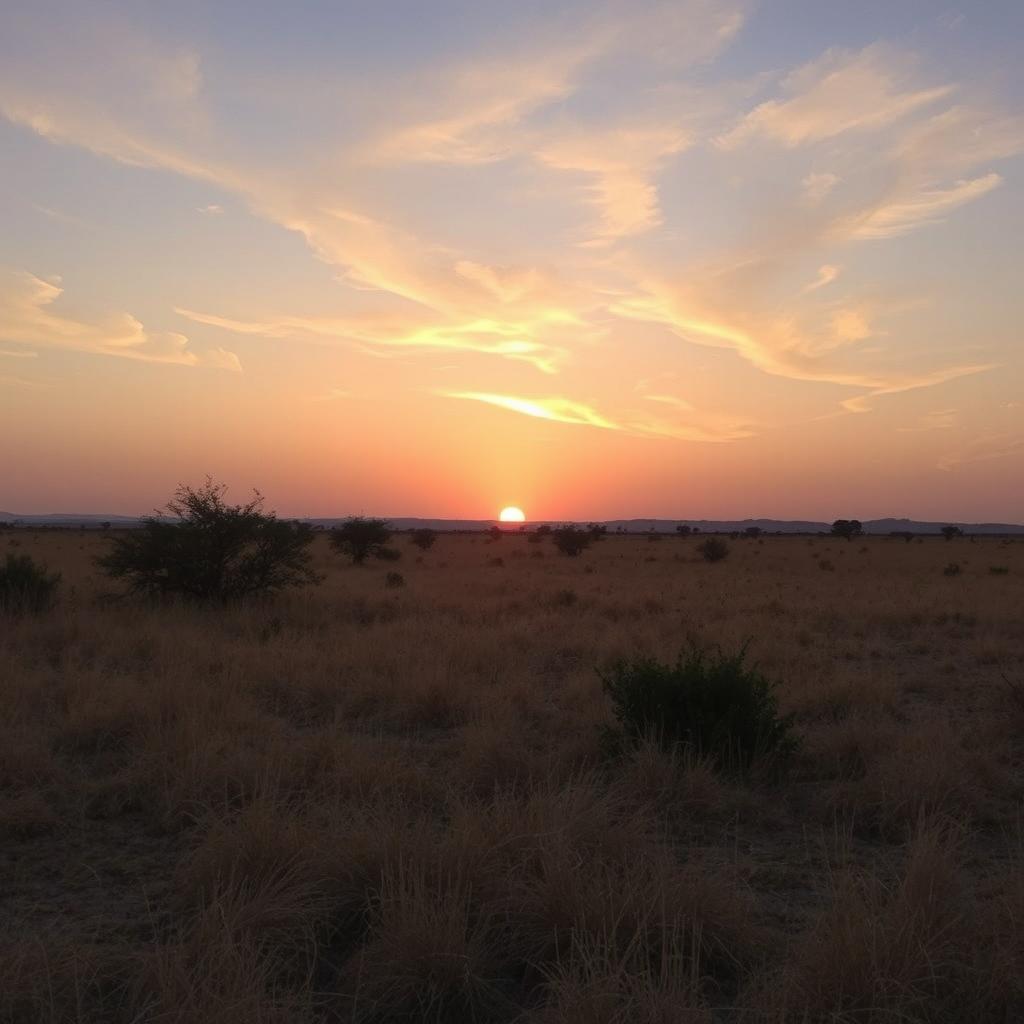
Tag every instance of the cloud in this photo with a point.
(892, 219)
(212, 209)
(826, 275)
(713, 429)
(678, 403)
(939, 419)
(27, 317)
(983, 449)
(509, 340)
(559, 410)
(622, 165)
(545, 127)
(837, 93)
(817, 186)
(864, 403)
(705, 313)
(477, 99)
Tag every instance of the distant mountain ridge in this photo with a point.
(871, 526)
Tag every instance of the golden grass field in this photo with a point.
(362, 803)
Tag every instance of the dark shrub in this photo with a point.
(847, 528)
(495, 533)
(424, 538)
(826, 566)
(953, 569)
(203, 549)
(394, 579)
(570, 540)
(712, 703)
(26, 586)
(714, 549)
(359, 537)
(999, 570)
(387, 554)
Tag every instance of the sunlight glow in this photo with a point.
(512, 515)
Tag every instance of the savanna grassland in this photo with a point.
(362, 802)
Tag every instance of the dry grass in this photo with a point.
(373, 803)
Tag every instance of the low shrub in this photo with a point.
(394, 579)
(26, 586)
(953, 569)
(999, 570)
(711, 703)
(714, 549)
(388, 554)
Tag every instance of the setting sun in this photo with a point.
(512, 515)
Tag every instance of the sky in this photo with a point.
(685, 259)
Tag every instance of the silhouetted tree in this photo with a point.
(359, 537)
(543, 530)
(597, 531)
(949, 532)
(847, 528)
(570, 540)
(752, 531)
(683, 530)
(201, 548)
(495, 533)
(424, 538)
(714, 549)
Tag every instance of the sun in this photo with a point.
(512, 515)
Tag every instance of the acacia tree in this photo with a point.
(359, 537)
(848, 528)
(201, 548)
(949, 532)
(423, 538)
(570, 540)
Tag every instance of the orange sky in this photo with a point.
(681, 260)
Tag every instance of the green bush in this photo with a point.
(203, 549)
(710, 702)
(714, 549)
(26, 586)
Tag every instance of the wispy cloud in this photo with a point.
(622, 166)
(827, 273)
(983, 449)
(559, 410)
(713, 429)
(28, 317)
(487, 337)
(895, 218)
(840, 92)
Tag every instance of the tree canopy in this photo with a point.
(201, 548)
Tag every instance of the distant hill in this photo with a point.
(91, 521)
